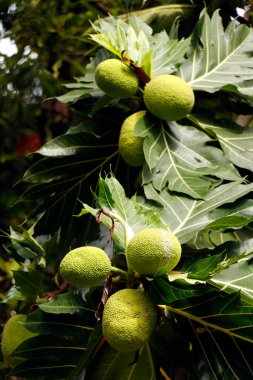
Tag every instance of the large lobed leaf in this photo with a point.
(238, 277)
(223, 313)
(111, 364)
(179, 157)
(187, 216)
(219, 58)
(70, 165)
(235, 141)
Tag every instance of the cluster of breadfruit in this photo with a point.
(167, 97)
(129, 316)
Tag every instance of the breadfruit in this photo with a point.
(131, 146)
(116, 79)
(168, 97)
(85, 267)
(14, 333)
(152, 249)
(129, 318)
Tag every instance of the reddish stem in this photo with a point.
(98, 214)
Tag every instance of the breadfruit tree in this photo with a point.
(136, 259)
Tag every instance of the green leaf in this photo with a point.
(205, 269)
(111, 364)
(168, 53)
(29, 282)
(215, 355)
(25, 245)
(71, 165)
(50, 347)
(74, 144)
(112, 198)
(220, 312)
(210, 239)
(187, 216)
(167, 17)
(68, 303)
(238, 277)
(218, 58)
(84, 86)
(162, 290)
(178, 157)
(158, 54)
(51, 369)
(58, 348)
(78, 326)
(95, 338)
(118, 36)
(236, 141)
(239, 215)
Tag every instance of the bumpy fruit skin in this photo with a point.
(128, 320)
(169, 97)
(14, 333)
(131, 146)
(85, 267)
(152, 249)
(116, 79)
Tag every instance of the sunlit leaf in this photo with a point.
(177, 157)
(118, 36)
(236, 141)
(238, 277)
(168, 53)
(218, 58)
(187, 216)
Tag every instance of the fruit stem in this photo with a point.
(119, 271)
(127, 229)
(128, 234)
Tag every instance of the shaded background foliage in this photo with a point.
(53, 47)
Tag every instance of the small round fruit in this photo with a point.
(116, 78)
(168, 97)
(14, 333)
(152, 249)
(129, 318)
(131, 146)
(85, 267)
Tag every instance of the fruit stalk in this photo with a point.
(119, 271)
(128, 233)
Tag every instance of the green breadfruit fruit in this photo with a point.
(131, 146)
(116, 78)
(129, 318)
(152, 249)
(14, 333)
(169, 97)
(85, 267)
